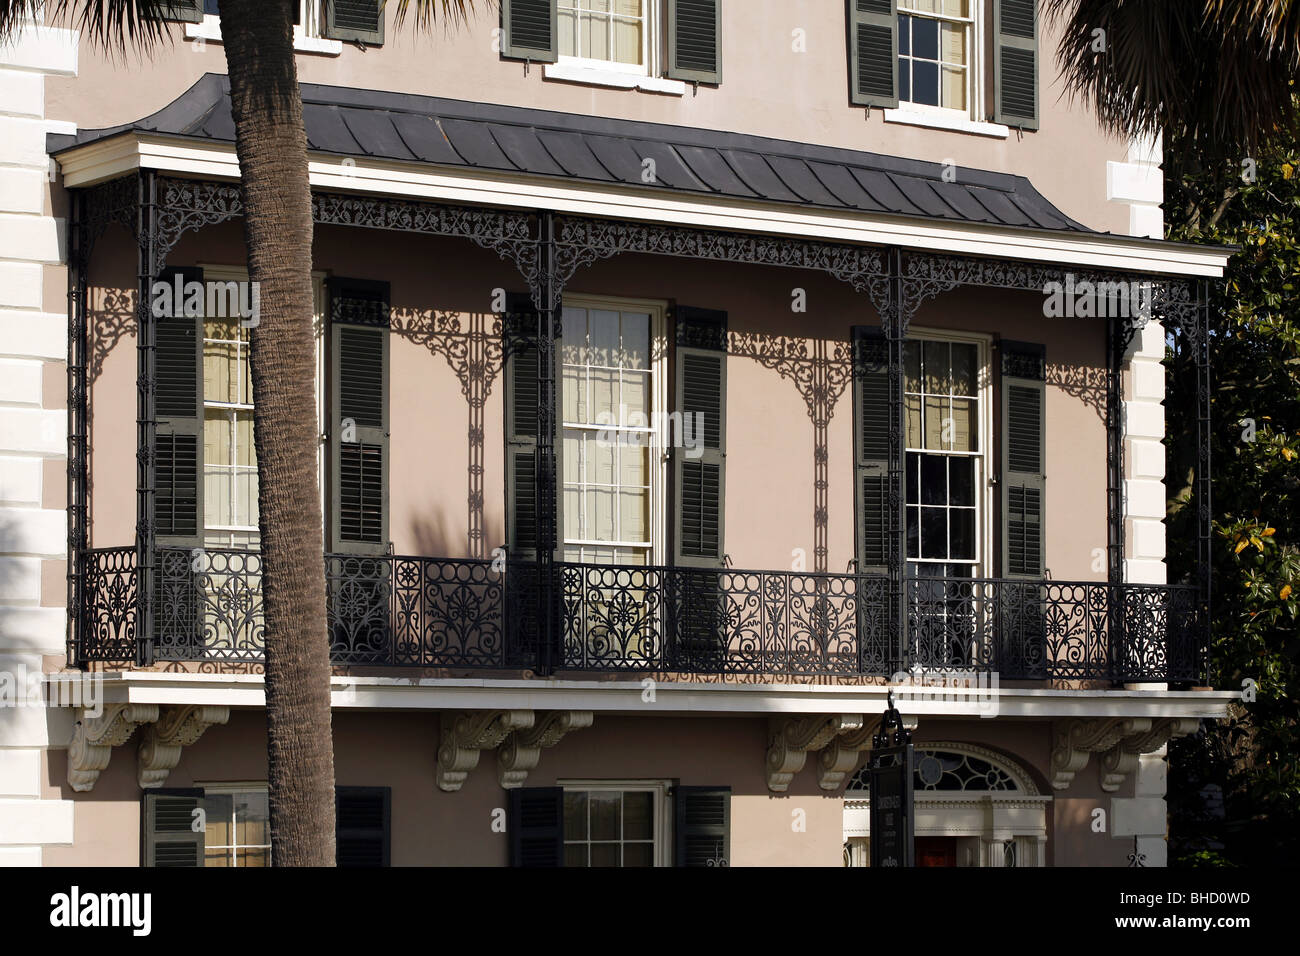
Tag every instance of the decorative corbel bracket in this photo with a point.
(176, 728)
(1075, 740)
(93, 740)
(840, 757)
(1122, 759)
(793, 737)
(522, 749)
(465, 735)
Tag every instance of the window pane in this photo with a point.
(216, 437)
(912, 366)
(575, 854)
(935, 414)
(955, 8)
(600, 459)
(633, 515)
(573, 348)
(604, 854)
(219, 810)
(934, 533)
(245, 451)
(634, 463)
(961, 481)
(954, 43)
(573, 513)
(962, 523)
(925, 83)
(913, 479)
(245, 515)
(636, 340)
(925, 39)
(963, 431)
(638, 816)
(934, 480)
(913, 532)
(912, 404)
(924, 6)
(603, 404)
(568, 29)
(604, 815)
(936, 367)
(638, 854)
(216, 856)
(636, 397)
(575, 815)
(253, 816)
(575, 394)
(216, 496)
(600, 514)
(954, 88)
(627, 41)
(220, 376)
(905, 80)
(258, 856)
(963, 369)
(904, 33)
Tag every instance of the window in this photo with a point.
(610, 34)
(229, 459)
(614, 825)
(310, 33)
(609, 434)
(944, 465)
(935, 53)
(238, 826)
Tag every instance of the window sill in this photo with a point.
(956, 123)
(209, 30)
(591, 76)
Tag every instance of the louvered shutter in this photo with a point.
(1015, 63)
(871, 448)
(699, 474)
(702, 826)
(530, 30)
(184, 11)
(1023, 411)
(178, 404)
(362, 826)
(521, 401)
(695, 40)
(358, 21)
(359, 458)
(873, 52)
(168, 828)
(535, 826)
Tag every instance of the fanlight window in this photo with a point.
(950, 771)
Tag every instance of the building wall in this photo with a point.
(768, 89)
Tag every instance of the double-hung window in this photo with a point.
(229, 458)
(935, 44)
(237, 826)
(615, 825)
(607, 34)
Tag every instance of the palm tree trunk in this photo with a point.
(271, 143)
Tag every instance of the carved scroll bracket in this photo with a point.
(793, 737)
(1075, 740)
(94, 737)
(161, 742)
(840, 757)
(1122, 759)
(465, 735)
(522, 749)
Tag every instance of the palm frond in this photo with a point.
(114, 25)
(426, 13)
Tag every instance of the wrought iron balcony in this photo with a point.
(394, 611)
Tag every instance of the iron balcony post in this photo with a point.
(895, 333)
(1204, 501)
(78, 254)
(545, 470)
(146, 438)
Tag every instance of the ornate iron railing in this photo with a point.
(395, 611)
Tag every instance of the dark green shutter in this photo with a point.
(1023, 413)
(359, 323)
(530, 30)
(178, 403)
(362, 826)
(536, 826)
(873, 52)
(185, 11)
(700, 482)
(871, 448)
(167, 828)
(695, 40)
(1015, 63)
(521, 401)
(358, 21)
(702, 826)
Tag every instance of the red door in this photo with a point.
(936, 851)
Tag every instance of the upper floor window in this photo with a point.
(934, 53)
(607, 33)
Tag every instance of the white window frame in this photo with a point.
(658, 453)
(231, 789)
(984, 484)
(651, 34)
(663, 817)
(306, 33)
(645, 76)
(970, 119)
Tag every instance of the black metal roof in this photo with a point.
(574, 148)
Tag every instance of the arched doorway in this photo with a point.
(974, 807)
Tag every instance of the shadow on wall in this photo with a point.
(1087, 383)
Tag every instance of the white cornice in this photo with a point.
(109, 158)
(630, 697)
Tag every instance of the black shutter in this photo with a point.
(530, 30)
(167, 828)
(185, 11)
(1023, 409)
(695, 40)
(521, 407)
(700, 473)
(536, 826)
(359, 21)
(1015, 63)
(178, 366)
(871, 448)
(359, 457)
(702, 827)
(873, 52)
(362, 826)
